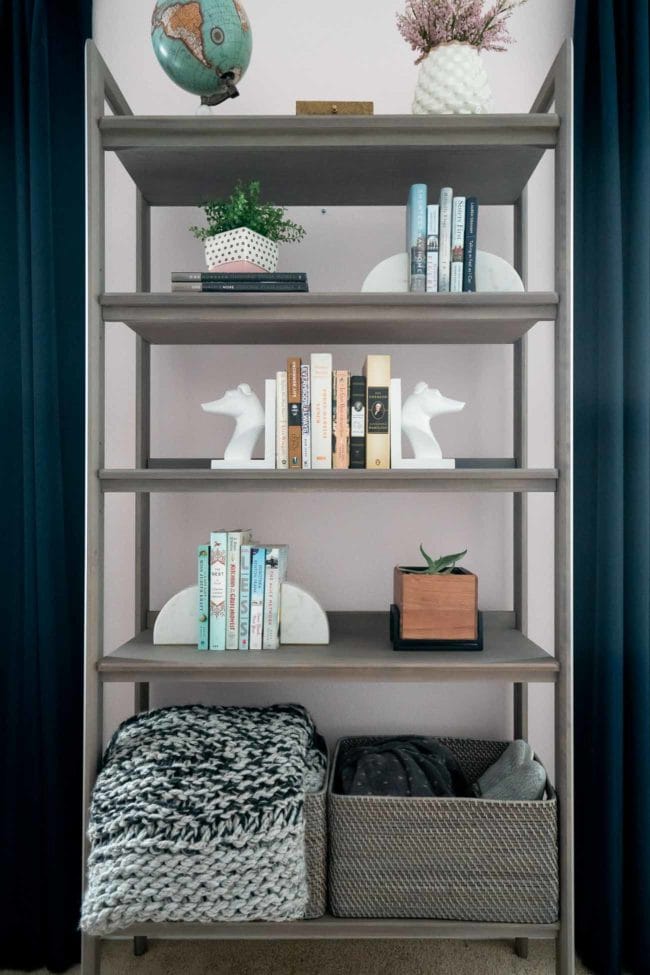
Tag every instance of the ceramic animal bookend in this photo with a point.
(243, 405)
(422, 406)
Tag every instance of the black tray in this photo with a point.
(436, 645)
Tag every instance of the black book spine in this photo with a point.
(241, 286)
(207, 276)
(358, 422)
(471, 227)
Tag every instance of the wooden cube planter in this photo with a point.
(437, 607)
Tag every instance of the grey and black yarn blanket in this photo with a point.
(197, 815)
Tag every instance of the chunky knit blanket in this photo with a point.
(197, 815)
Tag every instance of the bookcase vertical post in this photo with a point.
(100, 88)
(142, 514)
(558, 89)
(520, 500)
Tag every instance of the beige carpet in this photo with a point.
(328, 958)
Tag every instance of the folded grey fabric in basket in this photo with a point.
(197, 815)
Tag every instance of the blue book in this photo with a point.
(471, 228)
(218, 555)
(204, 597)
(258, 571)
(416, 237)
(244, 596)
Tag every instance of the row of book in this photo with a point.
(328, 418)
(441, 241)
(240, 592)
(219, 281)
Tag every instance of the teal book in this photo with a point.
(218, 555)
(204, 597)
(258, 571)
(244, 597)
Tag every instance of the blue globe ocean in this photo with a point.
(203, 45)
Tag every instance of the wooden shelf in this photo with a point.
(329, 927)
(359, 651)
(326, 160)
(330, 318)
(166, 480)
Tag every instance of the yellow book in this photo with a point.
(377, 373)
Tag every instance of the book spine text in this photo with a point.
(204, 597)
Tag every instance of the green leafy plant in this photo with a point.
(442, 566)
(245, 209)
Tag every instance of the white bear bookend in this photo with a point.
(244, 406)
(413, 418)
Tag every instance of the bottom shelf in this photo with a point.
(328, 927)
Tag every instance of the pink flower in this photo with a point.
(427, 23)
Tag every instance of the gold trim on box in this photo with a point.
(335, 108)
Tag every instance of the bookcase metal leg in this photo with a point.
(521, 947)
(91, 949)
(520, 709)
(140, 698)
(140, 946)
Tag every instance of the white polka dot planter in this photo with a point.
(242, 245)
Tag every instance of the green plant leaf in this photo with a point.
(245, 209)
(447, 562)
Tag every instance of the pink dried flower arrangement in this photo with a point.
(425, 24)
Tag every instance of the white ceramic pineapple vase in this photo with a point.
(452, 81)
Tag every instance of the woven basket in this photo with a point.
(316, 847)
(450, 859)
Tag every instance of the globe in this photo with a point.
(203, 45)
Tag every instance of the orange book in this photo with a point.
(341, 419)
(294, 412)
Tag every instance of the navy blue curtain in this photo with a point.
(41, 477)
(612, 484)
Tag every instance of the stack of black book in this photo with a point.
(234, 281)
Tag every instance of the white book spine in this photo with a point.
(235, 540)
(218, 555)
(276, 573)
(321, 410)
(433, 232)
(281, 422)
(457, 244)
(444, 249)
(305, 396)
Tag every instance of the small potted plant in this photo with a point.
(436, 601)
(242, 233)
(448, 36)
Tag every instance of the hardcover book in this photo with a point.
(281, 424)
(204, 597)
(244, 596)
(471, 230)
(457, 244)
(305, 391)
(235, 541)
(377, 373)
(258, 570)
(444, 246)
(321, 410)
(237, 276)
(416, 236)
(243, 286)
(358, 422)
(294, 413)
(341, 419)
(218, 553)
(433, 227)
(276, 573)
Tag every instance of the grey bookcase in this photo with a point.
(339, 160)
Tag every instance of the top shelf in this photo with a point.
(330, 160)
